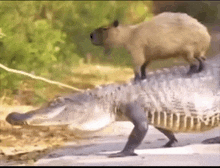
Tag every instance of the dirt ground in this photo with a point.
(27, 144)
(20, 145)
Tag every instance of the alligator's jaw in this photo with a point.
(28, 118)
(93, 124)
(48, 116)
(15, 118)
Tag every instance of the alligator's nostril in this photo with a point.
(91, 35)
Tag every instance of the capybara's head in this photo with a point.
(105, 36)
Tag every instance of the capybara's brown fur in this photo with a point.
(166, 35)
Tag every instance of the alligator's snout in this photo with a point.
(43, 116)
(15, 118)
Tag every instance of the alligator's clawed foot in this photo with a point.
(122, 154)
(143, 77)
(212, 140)
(167, 145)
(170, 143)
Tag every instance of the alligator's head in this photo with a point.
(78, 111)
(40, 116)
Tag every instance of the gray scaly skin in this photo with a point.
(169, 100)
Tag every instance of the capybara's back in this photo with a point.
(171, 35)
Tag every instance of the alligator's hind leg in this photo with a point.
(169, 135)
(138, 117)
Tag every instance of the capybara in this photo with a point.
(166, 35)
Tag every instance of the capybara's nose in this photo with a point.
(91, 35)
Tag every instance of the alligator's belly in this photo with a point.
(177, 122)
(93, 123)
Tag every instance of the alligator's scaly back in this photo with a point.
(167, 99)
(182, 104)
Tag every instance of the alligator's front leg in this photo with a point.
(137, 116)
(169, 135)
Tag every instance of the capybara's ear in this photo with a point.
(116, 23)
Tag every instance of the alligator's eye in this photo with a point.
(52, 103)
(56, 101)
(60, 100)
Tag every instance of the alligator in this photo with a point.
(169, 100)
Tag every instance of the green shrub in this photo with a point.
(47, 38)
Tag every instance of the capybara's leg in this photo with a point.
(143, 70)
(138, 61)
(201, 60)
(192, 61)
(201, 64)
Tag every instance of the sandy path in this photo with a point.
(187, 152)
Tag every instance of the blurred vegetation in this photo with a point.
(51, 39)
(204, 11)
